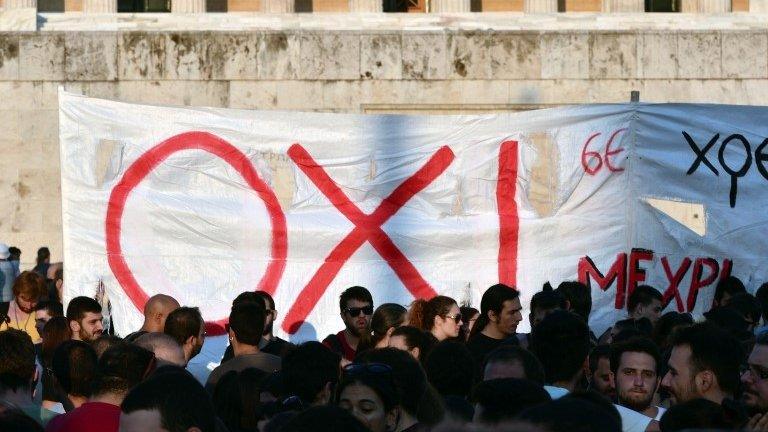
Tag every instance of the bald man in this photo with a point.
(155, 312)
(166, 349)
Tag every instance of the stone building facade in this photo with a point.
(370, 63)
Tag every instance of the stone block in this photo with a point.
(182, 93)
(41, 57)
(141, 55)
(236, 53)
(564, 55)
(90, 56)
(24, 216)
(11, 128)
(38, 184)
(381, 56)
(610, 91)
(613, 55)
(547, 93)
(186, 57)
(253, 94)
(21, 94)
(207, 93)
(96, 89)
(745, 55)
(342, 96)
(424, 56)
(481, 92)
(9, 56)
(278, 56)
(515, 56)
(699, 55)
(299, 95)
(329, 56)
(469, 55)
(657, 55)
(39, 126)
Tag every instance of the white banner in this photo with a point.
(203, 204)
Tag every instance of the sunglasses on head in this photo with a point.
(355, 311)
(355, 369)
(456, 317)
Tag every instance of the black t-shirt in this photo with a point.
(275, 346)
(481, 345)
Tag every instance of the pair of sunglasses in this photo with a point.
(355, 311)
(456, 317)
(355, 369)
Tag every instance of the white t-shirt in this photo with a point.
(660, 413)
(631, 421)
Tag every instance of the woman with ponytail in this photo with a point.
(386, 319)
(439, 316)
(500, 313)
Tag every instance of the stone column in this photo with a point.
(366, 6)
(623, 6)
(540, 6)
(188, 6)
(99, 6)
(20, 4)
(441, 6)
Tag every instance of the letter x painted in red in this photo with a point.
(367, 228)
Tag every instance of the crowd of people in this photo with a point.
(435, 365)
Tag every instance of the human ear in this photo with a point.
(416, 351)
(74, 326)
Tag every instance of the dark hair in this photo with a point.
(183, 323)
(640, 345)
(15, 253)
(532, 367)
(308, 368)
(467, 312)
(55, 332)
(493, 300)
(15, 420)
(79, 306)
(245, 297)
(384, 318)
(417, 397)
(354, 293)
(547, 300)
(712, 349)
(247, 322)
(265, 296)
(104, 342)
(643, 295)
(450, 368)
(504, 398)
(569, 414)
(762, 339)
(696, 414)
(30, 284)
(53, 308)
(43, 254)
(598, 400)
(327, 418)
(730, 285)
(74, 366)
(423, 312)
(17, 359)
(630, 327)
(747, 306)
(121, 367)
(578, 296)
(381, 383)
(762, 296)
(561, 343)
(416, 338)
(236, 399)
(598, 352)
(666, 324)
(180, 399)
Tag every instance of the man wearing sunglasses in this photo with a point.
(356, 305)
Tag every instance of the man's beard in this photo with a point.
(89, 337)
(631, 401)
(23, 309)
(268, 329)
(754, 409)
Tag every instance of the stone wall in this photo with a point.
(451, 64)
